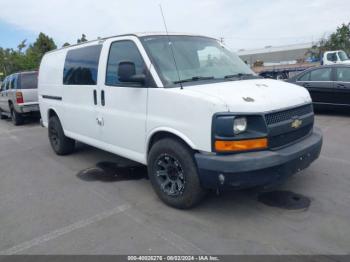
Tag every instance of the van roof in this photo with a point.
(140, 34)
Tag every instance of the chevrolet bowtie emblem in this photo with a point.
(297, 123)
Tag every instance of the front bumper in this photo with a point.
(260, 168)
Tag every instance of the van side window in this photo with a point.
(81, 66)
(123, 51)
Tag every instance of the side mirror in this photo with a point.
(127, 73)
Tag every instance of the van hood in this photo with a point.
(257, 95)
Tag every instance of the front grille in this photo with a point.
(287, 138)
(280, 128)
(277, 117)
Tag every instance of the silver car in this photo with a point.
(19, 96)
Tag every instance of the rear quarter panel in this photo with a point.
(50, 84)
(30, 96)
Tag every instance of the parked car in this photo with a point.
(19, 96)
(183, 105)
(328, 85)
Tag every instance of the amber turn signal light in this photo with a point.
(241, 145)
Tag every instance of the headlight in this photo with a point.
(239, 125)
(237, 133)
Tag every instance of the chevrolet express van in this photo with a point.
(183, 105)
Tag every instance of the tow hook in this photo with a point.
(221, 179)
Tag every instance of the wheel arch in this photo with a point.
(161, 133)
(52, 112)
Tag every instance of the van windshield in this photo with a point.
(197, 59)
(343, 56)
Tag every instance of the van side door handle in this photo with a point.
(103, 101)
(95, 97)
(306, 85)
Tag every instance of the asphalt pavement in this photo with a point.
(47, 206)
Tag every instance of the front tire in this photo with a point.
(173, 174)
(61, 144)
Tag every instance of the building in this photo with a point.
(270, 55)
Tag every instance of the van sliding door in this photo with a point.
(80, 84)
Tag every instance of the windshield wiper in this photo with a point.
(195, 78)
(240, 76)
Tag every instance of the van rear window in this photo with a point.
(81, 66)
(28, 81)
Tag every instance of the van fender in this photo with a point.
(171, 131)
(48, 114)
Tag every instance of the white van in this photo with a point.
(183, 105)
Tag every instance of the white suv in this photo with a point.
(19, 96)
(183, 105)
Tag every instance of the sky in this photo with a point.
(244, 24)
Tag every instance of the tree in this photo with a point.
(3, 62)
(22, 45)
(82, 39)
(11, 61)
(15, 60)
(42, 45)
(340, 39)
(37, 50)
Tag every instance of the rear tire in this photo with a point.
(17, 119)
(61, 144)
(1, 115)
(173, 173)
